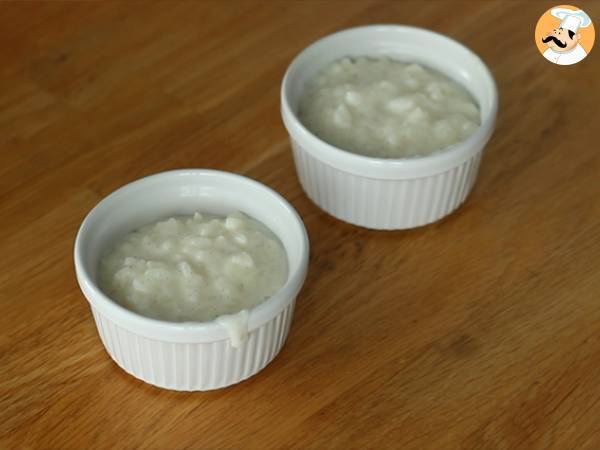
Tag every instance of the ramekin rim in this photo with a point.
(190, 329)
(426, 165)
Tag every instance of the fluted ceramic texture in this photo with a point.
(194, 366)
(384, 204)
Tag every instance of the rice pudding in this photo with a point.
(384, 108)
(196, 268)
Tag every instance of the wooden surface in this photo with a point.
(480, 331)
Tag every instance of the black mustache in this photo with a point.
(556, 41)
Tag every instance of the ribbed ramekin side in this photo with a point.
(194, 366)
(381, 203)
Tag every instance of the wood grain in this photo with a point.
(480, 331)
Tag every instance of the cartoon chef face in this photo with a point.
(561, 39)
(563, 42)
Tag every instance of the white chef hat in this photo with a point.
(571, 19)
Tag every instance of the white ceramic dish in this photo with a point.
(190, 355)
(388, 193)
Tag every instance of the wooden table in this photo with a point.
(479, 331)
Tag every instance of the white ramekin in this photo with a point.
(189, 356)
(388, 193)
